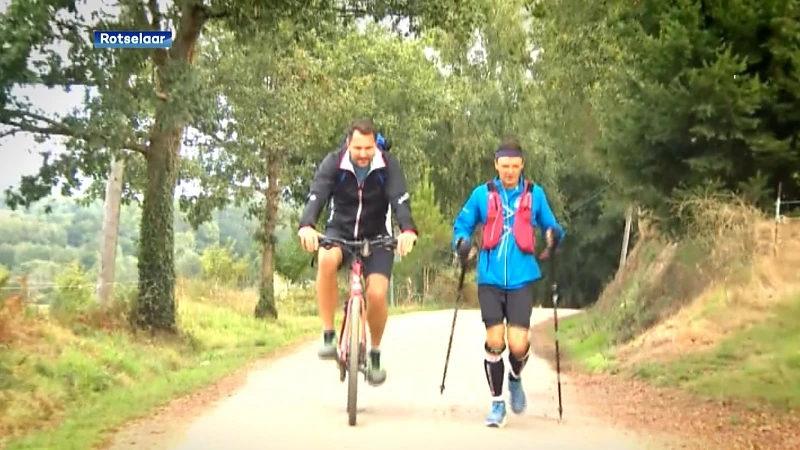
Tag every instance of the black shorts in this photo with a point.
(514, 306)
(380, 260)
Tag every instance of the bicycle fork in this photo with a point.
(344, 332)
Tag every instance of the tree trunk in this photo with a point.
(623, 256)
(108, 238)
(266, 295)
(155, 305)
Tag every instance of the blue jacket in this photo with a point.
(505, 266)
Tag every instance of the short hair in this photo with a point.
(363, 126)
(509, 143)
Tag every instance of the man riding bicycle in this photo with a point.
(361, 181)
(509, 207)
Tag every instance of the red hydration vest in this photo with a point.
(523, 229)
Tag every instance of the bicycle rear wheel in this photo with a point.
(354, 358)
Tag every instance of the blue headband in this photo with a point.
(513, 153)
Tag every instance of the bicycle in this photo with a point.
(352, 344)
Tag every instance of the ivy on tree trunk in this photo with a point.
(155, 305)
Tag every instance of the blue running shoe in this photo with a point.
(497, 416)
(518, 400)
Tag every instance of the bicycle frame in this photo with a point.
(356, 295)
(354, 314)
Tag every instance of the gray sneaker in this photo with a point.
(376, 375)
(328, 348)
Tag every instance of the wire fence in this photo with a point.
(40, 293)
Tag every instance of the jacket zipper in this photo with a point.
(508, 247)
(358, 211)
(360, 194)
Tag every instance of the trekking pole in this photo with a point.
(554, 287)
(453, 327)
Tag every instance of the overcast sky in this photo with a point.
(20, 153)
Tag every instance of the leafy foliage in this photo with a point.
(616, 104)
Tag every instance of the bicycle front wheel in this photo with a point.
(354, 358)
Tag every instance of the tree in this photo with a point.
(311, 89)
(274, 98)
(677, 94)
(435, 234)
(146, 100)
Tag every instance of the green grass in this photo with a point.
(69, 388)
(586, 344)
(758, 365)
(88, 383)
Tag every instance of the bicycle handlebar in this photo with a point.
(361, 246)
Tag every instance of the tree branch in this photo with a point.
(53, 128)
(189, 29)
(9, 133)
(140, 18)
(155, 15)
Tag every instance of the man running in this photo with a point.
(509, 207)
(361, 180)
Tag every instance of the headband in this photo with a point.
(513, 153)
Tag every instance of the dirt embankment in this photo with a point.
(703, 317)
(635, 404)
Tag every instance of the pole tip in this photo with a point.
(441, 389)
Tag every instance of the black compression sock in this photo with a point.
(495, 370)
(328, 336)
(517, 364)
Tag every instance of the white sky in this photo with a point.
(21, 148)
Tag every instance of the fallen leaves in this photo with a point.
(701, 423)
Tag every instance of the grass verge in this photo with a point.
(589, 349)
(67, 386)
(755, 366)
(758, 365)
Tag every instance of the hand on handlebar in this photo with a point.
(405, 242)
(309, 238)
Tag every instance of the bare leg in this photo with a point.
(328, 262)
(327, 297)
(377, 315)
(377, 307)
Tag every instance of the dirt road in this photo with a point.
(298, 402)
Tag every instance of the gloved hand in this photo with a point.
(463, 250)
(550, 238)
